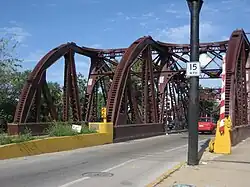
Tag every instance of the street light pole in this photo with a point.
(193, 107)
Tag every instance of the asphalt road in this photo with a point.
(134, 163)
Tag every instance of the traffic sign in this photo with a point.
(77, 128)
(193, 69)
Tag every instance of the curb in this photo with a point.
(177, 131)
(53, 144)
(166, 175)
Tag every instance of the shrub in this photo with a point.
(55, 129)
(26, 136)
(65, 129)
(4, 139)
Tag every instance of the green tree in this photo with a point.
(18, 81)
(9, 64)
(57, 95)
(82, 85)
(12, 82)
(209, 107)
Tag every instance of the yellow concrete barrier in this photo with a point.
(56, 144)
(222, 141)
(102, 127)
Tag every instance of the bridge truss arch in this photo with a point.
(137, 83)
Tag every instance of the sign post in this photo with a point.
(193, 71)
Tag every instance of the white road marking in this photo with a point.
(74, 182)
(127, 162)
(119, 165)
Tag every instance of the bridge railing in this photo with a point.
(136, 131)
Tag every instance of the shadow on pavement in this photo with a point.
(203, 149)
(184, 137)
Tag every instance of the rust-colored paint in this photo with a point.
(163, 90)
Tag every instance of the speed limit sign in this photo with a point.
(193, 69)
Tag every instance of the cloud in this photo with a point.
(210, 9)
(176, 11)
(171, 11)
(144, 16)
(51, 4)
(111, 20)
(225, 38)
(91, 1)
(128, 17)
(181, 34)
(13, 22)
(107, 29)
(204, 59)
(119, 14)
(150, 14)
(143, 19)
(226, 1)
(23, 45)
(143, 24)
(96, 46)
(35, 56)
(18, 32)
(221, 8)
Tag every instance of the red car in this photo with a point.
(207, 124)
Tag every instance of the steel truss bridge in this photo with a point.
(142, 86)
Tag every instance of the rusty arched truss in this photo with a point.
(142, 86)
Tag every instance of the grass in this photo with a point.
(23, 137)
(62, 129)
(55, 129)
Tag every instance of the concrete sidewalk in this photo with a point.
(216, 170)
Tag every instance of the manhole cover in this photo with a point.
(97, 174)
(183, 185)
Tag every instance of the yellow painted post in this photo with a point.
(104, 114)
(222, 142)
(105, 127)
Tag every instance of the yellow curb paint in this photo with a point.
(54, 144)
(57, 144)
(166, 175)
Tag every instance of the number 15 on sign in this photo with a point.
(193, 69)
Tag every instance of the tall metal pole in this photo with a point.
(193, 107)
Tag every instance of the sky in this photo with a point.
(40, 26)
